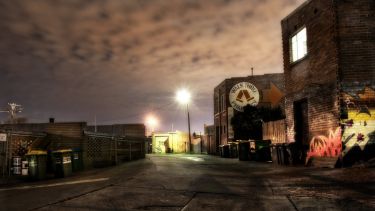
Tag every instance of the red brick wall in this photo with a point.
(356, 29)
(315, 77)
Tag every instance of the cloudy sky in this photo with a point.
(123, 59)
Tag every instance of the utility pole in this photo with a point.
(13, 109)
(187, 108)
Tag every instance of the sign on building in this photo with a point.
(242, 94)
(3, 137)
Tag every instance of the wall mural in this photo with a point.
(358, 123)
(355, 140)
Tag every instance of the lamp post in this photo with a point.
(183, 97)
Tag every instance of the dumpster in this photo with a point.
(77, 160)
(233, 152)
(62, 162)
(37, 160)
(262, 150)
(243, 150)
(225, 152)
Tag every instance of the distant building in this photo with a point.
(132, 130)
(329, 67)
(170, 142)
(231, 95)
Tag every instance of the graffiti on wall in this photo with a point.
(358, 121)
(323, 146)
(354, 141)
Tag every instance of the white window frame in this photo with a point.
(298, 45)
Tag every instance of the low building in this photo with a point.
(231, 95)
(170, 142)
(329, 67)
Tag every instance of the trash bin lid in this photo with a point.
(62, 151)
(37, 152)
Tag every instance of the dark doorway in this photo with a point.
(301, 129)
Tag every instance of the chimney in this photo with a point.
(51, 120)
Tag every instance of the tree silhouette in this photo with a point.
(248, 124)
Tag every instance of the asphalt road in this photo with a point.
(198, 182)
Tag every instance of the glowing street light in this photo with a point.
(183, 97)
(152, 122)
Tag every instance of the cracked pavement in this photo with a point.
(198, 182)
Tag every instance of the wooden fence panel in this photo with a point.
(274, 131)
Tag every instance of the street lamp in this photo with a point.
(183, 97)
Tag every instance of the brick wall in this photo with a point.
(134, 130)
(313, 78)
(356, 29)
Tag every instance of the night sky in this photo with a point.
(121, 60)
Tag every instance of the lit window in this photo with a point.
(299, 45)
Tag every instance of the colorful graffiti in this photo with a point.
(358, 122)
(323, 146)
(354, 141)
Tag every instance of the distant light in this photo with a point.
(152, 122)
(183, 96)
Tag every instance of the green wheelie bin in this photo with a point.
(244, 150)
(62, 162)
(77, 160)
(37, 160)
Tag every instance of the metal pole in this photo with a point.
(187, 108)
(10, 148)
(200, 137)
(6, 153)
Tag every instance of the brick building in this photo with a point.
(231, 95)
(329, 67)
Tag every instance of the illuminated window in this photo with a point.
(298, 45)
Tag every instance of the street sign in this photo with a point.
(3, 137)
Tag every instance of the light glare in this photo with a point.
(183, 96)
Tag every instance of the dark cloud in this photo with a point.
(121, 59)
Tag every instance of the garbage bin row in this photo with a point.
(247, 150)
(61, 162)
(262, 150)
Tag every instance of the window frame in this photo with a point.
(291, 46)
